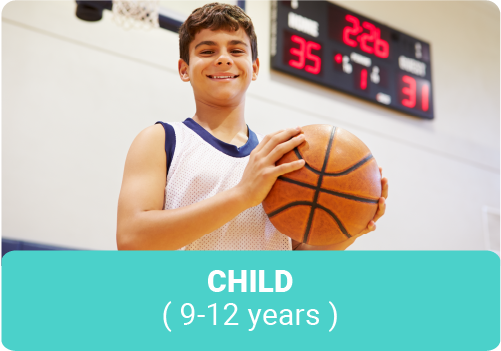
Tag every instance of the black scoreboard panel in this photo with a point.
(329, 45)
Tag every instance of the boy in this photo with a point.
(198, 185)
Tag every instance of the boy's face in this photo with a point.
(221, 66)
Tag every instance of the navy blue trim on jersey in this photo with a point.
(170, 142)
(228, 149)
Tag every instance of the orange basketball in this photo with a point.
(335, 194)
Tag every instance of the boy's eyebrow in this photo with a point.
(211, 43)
(207, 42)
(236, 42)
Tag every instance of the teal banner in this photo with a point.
(352, 300)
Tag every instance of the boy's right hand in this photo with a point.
(261, 172)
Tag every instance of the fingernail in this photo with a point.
(298, 128)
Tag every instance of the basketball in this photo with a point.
(334, 196)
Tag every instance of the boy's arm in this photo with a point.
(144, 225)
(370, 227)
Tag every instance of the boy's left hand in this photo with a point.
(381, 206)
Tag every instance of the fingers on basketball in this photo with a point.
(289, 167)
(281, 149)
(372, 226)
(381, 209)
(384, 191)
(279, 138)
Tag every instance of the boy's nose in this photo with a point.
(223, 61)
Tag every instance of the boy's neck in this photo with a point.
(226, 123)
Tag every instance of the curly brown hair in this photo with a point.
(215, 16)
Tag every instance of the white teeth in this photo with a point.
(222, 77)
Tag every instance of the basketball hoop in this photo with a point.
(136, 14)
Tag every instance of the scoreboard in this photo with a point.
(332, 46)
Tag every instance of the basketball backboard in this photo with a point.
(184, 8)
(171, 13)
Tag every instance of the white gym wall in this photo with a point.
(75, 94)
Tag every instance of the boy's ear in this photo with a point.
(183, 70)
(255, 69)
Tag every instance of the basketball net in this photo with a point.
(136, 14)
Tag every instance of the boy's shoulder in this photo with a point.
(151, 133)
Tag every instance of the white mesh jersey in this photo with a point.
(198, 167)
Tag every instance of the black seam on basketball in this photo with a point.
(352, 168)
(340, 225)
(350, 197)
(296, 151)
(292, 204)
(309, 203)
(319, 184)
(297, 182)
(331, 192)
(349, 170)
(310, 220)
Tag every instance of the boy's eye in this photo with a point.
(234, 51)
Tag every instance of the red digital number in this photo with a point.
(303, 53)
(414, 93)
(300, 53)
(379, 47)
(347, 31)
(425, 93)
(410, 91)
(318, 62)
(363, 79)
(368, 37)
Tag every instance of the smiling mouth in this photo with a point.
(222, 77)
